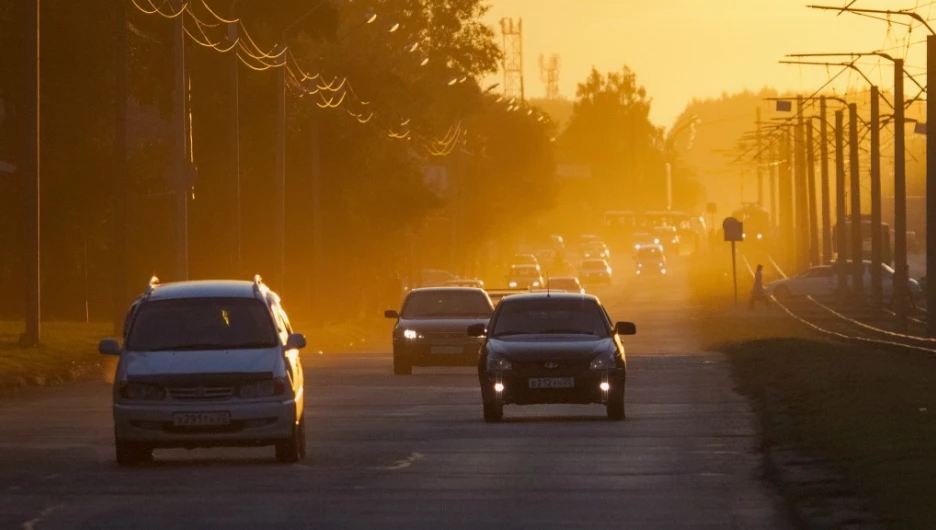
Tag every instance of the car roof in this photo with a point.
(543, 295)
(447, 289)
(658, 247)
(203, 289)
(524, 266)
(564, 278)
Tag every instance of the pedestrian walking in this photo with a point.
(758, 293)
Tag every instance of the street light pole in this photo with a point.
(235, 147)
(841, 241)
(931, 186)
(120, 168)
(900, 200)
(877, 290)
(180, 165)
(811, 196)
(824, 177)
(801, 209)
(279, 177)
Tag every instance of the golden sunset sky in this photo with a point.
(685, 49)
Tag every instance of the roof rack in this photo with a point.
(258, 284)
(152, 285)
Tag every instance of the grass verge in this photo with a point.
(867, 416)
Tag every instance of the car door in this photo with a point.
(817, 282)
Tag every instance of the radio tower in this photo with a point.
(513, 58)
(549, 74)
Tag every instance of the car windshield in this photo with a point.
(524, 272)
(202, 324)
(550, 316)
(594, 264)
(649, 253)
(442, 304)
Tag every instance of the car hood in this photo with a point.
(139, 364)
(436, 325)
(538, 347)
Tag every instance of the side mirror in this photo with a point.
(391, 313)
(109, 347)
(625, 328)
(296, 341)
(477, 330)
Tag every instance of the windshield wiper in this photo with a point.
(508, 333)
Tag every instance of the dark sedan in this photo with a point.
(430, 328)
(543, 348)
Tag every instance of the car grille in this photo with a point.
(447, 335)
(550, 365)
(201, 393)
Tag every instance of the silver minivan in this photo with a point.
(207, 364)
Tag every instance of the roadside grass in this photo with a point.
(870, 415)
(67, 350)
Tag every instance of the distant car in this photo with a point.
(544, 348)
(817, 282)
(643, 238)
(668, 238)
(430, 327)
(207, 364)
(595, 271)
(525, 259)
(435, 278)
(596, 249)
(496, 295)
(524, 277)
(651, 260)
(587, 239)
(473, 282)
(566, 283)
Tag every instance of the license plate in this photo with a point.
(199, 419)
(447, 350)
(552, 382)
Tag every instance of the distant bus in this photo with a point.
(887, 252)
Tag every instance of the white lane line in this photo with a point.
(31, 524)
(405, 463)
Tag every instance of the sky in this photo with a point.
(686, 49)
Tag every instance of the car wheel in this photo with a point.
(493, 412)
(293, 449)
(781, 293)
(131, 454)
(615, 406)
(400, 366)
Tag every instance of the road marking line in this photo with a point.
(31, 524)
(405, 463)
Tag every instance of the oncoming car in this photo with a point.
(543, 348)
(650, 260)
(430, 327)
(525, 277)
(595, 271)
(205, 364)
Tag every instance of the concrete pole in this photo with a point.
(801, 239)
(120, 169)
(28, 162)
(931, 185)
(180, 162)
(857, 254)
(785, 188)
(824, 178)
(760, 159)
(236, 224)
(877, 289)
(811, 196)
(841, 241)
(279, 182)
(900, 200)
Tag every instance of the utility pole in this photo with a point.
(877, 289)
(318, 248)
(180, 163)
(774, 160)
(811, 196)
(855, 191)
(787, 232)
(931, 186)
(279, 178)
(824, 177)
(900, 200)
(801, 209)
(841, 238)
(28, 168)
(120, 167)
(760, 159)
(235, 152)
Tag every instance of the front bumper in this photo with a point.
(587, 387)
(427, 352)
(252, 423)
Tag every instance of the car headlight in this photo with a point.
(412, 334)
(637, 246)
(262, 389)
(536, 284)
(661, 264)
(513, 284)
(605, 361)
(640, 265)
(662, 271)
(656, 241)
(674, 241)
(609, 270)
(495, 362)
(142, 392)
(760, 236)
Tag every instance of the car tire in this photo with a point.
(781, 293)
(400, 366)
(131, 454)
(493, 412)
(615, 406)
(292, 449)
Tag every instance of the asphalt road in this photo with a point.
(413, 452)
